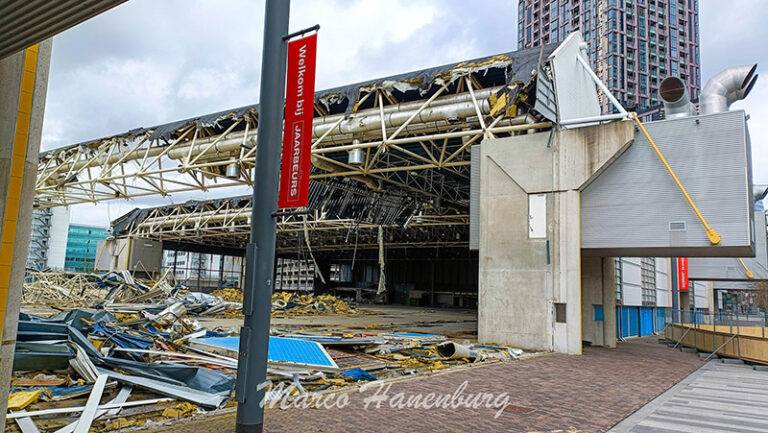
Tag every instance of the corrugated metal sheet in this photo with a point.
(474, 198)
(26, 22)
(628, 209)
(729, 268)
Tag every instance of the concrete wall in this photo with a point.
(522, 279)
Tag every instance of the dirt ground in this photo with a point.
(455, 323)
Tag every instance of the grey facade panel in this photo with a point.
(634, 208)
(729, 268)
(474, 198)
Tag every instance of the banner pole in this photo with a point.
(260, 255)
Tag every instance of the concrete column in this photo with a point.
(609, 302)
(597, 290)
(567, 228)
(23, 87)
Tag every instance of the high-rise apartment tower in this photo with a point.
(633, 44)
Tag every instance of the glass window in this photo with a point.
(672, 43)
(672, 12)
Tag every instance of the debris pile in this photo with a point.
(297, 304)
(63, 290)
(122, 293)
(140, 354)
(109, 370)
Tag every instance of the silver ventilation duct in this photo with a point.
(727, 87)
(674, 94)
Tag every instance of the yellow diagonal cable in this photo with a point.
(750, 275)
(714, 238)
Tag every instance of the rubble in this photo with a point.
(122, 293)
(296, 304)
(62, 290)
(139, 354)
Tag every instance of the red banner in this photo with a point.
(297, 136)
(682, 274)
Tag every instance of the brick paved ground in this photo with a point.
(588, 393)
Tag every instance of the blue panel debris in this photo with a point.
(359, 374)
(283, 350)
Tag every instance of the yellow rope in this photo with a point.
(714, 238)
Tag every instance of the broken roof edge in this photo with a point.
(421, 80)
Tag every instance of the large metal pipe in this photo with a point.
(727, 87)
(674, 95)
(367, 121)
(451, 350)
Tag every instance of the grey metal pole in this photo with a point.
(675, 292)
(260, 259)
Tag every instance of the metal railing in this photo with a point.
(711, 332)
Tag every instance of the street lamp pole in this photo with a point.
(260, 258)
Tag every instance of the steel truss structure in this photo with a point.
(407, 135)
(227, 223)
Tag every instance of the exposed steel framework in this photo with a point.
(409, 134)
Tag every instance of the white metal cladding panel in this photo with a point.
(661, 273)
(631, 289)
(630, 205)
(662, 282)
(663, 298)
(700, 295)
(474, 198)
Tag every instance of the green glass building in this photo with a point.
(81, 247)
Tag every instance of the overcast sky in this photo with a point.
(148, 62)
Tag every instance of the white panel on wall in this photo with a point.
(537, 216)
(663, 298)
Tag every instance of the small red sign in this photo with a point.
(297, 136)
(682, 273)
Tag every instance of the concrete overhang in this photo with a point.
(24, 23)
